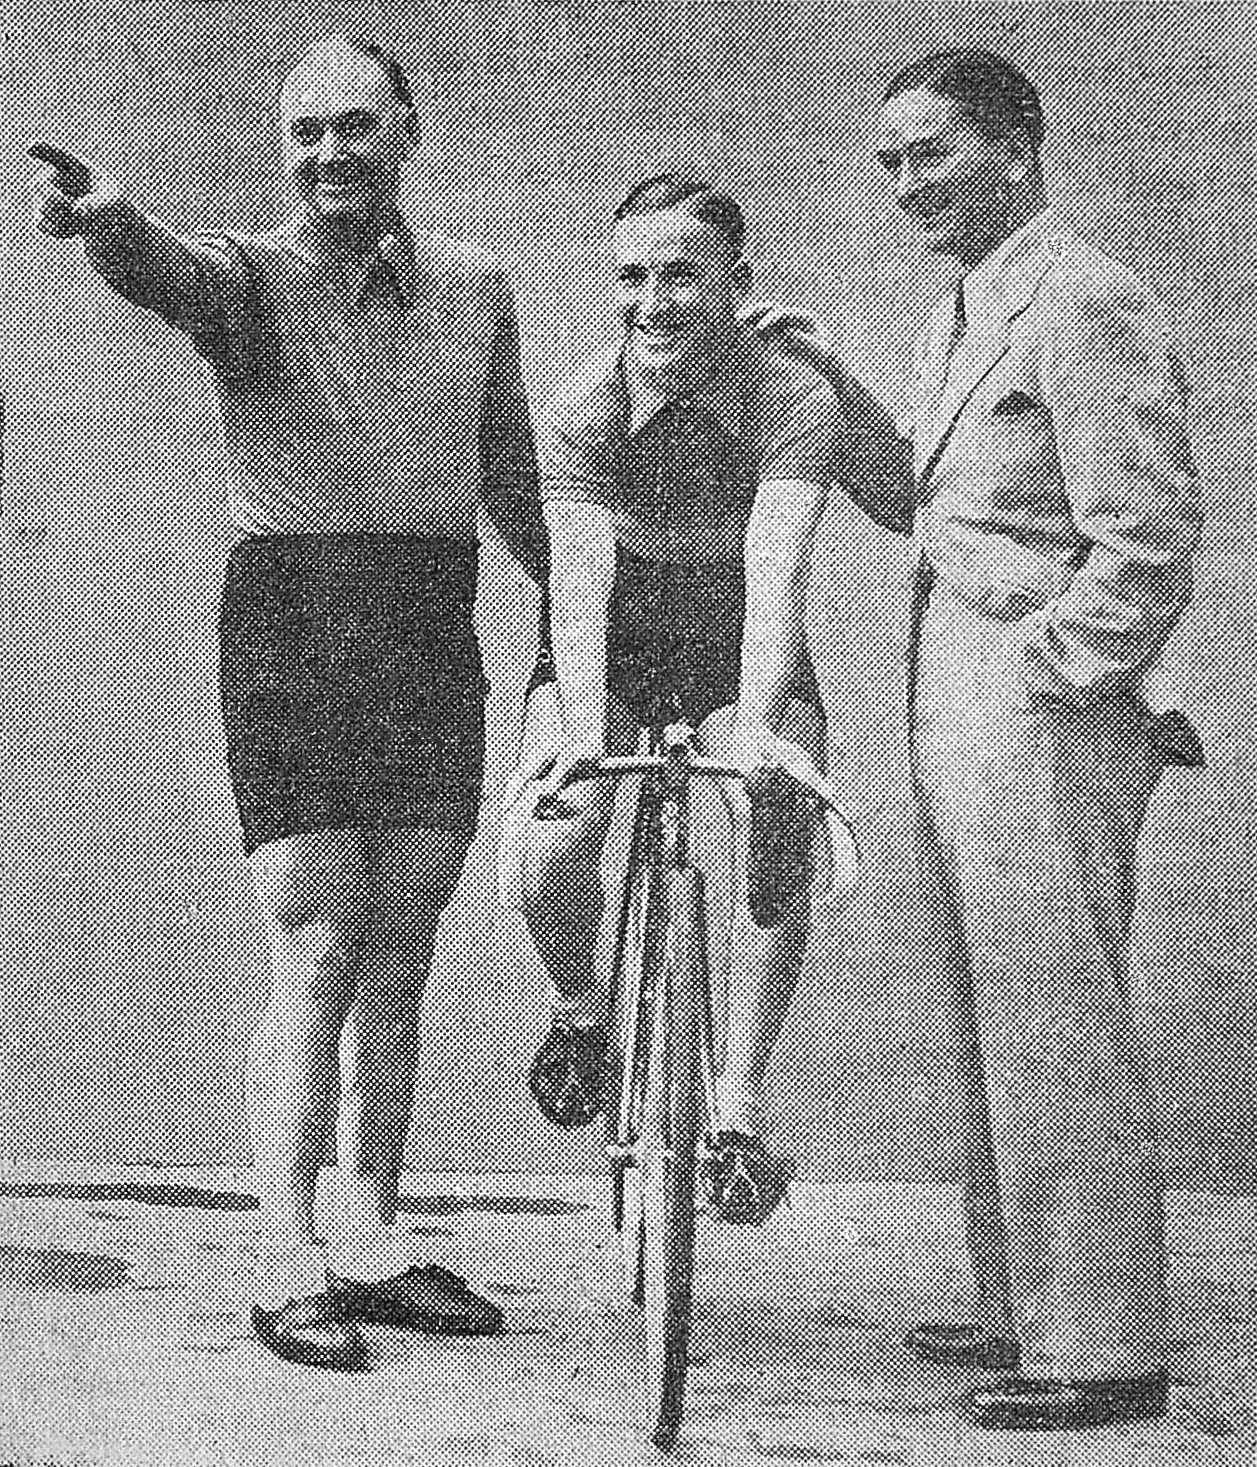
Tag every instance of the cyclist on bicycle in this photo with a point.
(683, 480)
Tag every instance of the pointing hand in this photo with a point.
(70, 196)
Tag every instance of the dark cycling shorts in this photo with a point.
(352, 686)
(674, 640)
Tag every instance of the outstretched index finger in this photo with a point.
(74, 176)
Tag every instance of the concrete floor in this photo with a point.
(124, 1340)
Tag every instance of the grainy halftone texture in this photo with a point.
(135, 969)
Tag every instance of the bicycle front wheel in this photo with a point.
(667, 1155)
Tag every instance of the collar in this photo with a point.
(719, 390)
(304, 237)
(995, 288)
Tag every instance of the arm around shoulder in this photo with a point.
(873, 465)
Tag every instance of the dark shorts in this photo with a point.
(674, 640)
(352, 686)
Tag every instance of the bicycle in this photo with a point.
(661, 988)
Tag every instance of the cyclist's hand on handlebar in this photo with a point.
(71, 196)
(552, 800)
(757, 751)
(542, 777)
(754, 747)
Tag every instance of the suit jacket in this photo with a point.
(1054, 475)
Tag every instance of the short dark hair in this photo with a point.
(688, 195)
(996, 97)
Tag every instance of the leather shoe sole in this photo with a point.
(1055, 1405)
(310, 1331)
(428, 1300)
(965, 1346)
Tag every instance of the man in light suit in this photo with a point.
(1055, 513)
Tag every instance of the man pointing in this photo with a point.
(373, 411)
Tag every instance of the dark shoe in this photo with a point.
(962, 1345)
(571, 1075)
(1058, 1405)
(428, 1299)
(310, 1331)
(740, 1179)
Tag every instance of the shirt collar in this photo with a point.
(990, 286)
(352, 269)
(719, 391)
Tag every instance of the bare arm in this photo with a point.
(582, 576)
(583, 568)
(779, 544)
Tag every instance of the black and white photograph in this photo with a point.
(629, 778)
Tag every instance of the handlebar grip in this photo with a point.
(75, 177)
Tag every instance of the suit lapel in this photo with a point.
(976, 355)
(983, 345)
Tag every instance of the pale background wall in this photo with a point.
(131, 974)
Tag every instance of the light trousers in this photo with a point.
(1028, 813)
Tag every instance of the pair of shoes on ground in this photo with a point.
(322, 1330)
(1020, 1403)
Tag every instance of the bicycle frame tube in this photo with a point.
(637, 915)
(660, 843)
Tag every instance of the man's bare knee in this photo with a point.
(416, 874)
(323, 880)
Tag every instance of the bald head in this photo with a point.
(349, 124)
(338, 51)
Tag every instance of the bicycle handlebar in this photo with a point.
(621, 766)
(846, 857)
(800, 769)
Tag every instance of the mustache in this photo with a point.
(924, 203)
(338, 171)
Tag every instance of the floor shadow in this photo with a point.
(52, 1270)
(172, 1194)
(152, 1194)
(509, 1206)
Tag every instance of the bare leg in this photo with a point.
(417, 872)
(764, 963)
(314, 891)
(560, 860)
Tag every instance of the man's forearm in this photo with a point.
(582, 578)
(578, 631)
(773, 643)
(142, 260)
(1119, 416)
(779, 544)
